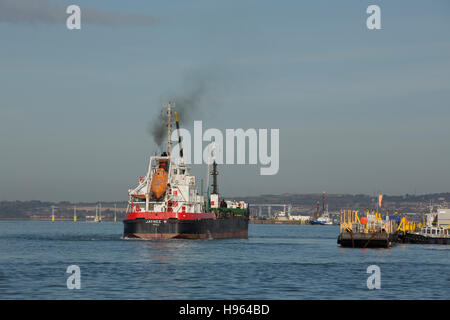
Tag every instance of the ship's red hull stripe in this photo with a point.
(169, 215)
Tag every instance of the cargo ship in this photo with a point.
(166, 203)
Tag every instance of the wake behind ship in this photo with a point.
(166, 203)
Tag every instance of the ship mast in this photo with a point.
(323, 203)
(212, 154)
(169, 127)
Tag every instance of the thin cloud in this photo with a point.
(46, 11)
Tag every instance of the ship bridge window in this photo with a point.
(182, 171)
(174, 171)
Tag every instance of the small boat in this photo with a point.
(427, 235)
(324, 220)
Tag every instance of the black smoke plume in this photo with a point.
(197, 92)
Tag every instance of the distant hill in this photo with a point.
(302, 203)
(307, 203)
(38, 210)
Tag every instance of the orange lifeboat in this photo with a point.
(159, 182)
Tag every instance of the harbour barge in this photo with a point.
(166, 204)
(369, 231)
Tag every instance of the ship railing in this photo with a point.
(140, 204)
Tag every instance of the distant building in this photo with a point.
(301, 218)
(443, 217)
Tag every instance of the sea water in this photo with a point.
(275, 262)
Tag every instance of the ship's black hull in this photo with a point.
(367, 240)
(421, 239)
(232, 227)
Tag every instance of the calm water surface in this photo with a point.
(276, 262)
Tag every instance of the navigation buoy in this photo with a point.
(363, 220)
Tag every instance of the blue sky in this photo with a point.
(359, 111)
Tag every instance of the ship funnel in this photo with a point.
(215, 173)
